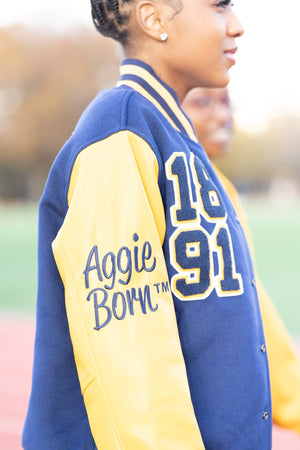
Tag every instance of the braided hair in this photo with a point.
(108, 19)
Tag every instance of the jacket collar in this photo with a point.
(141, 77)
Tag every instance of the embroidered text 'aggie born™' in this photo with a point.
(118, 269)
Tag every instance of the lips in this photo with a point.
(229, 53)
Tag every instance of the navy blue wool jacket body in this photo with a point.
(149, 332)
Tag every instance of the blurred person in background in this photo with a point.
(211, 112)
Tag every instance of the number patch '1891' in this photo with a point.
(191, 246)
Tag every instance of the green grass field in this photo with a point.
(18, 261)
(275, 234)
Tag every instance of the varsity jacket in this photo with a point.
(149, 333)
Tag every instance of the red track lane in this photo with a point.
(16, 349)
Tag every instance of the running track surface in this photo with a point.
(16, 345)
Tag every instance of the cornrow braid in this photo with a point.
(108, 19)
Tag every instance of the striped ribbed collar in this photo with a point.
(141, 77)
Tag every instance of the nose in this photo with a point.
(235, 28)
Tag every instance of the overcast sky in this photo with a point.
(265, 80)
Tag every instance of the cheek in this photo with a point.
(217, 37)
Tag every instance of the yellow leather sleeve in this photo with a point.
(119, 305)
(284, 363)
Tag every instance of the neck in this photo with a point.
(161, 69)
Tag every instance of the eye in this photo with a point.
(223, 4)
(203, 102)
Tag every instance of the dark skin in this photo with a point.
(174, 60)
(211, 113)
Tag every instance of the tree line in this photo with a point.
(47, 81)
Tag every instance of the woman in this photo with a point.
(150, 281)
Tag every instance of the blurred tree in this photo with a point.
(257, 158)
(46, 81)
(283, 134)
(45, 84)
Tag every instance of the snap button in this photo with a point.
(265, 416)
(253, 282)
(263, 348)
(237, 219)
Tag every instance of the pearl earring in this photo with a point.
(164, 36)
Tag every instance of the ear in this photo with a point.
(150, 18)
